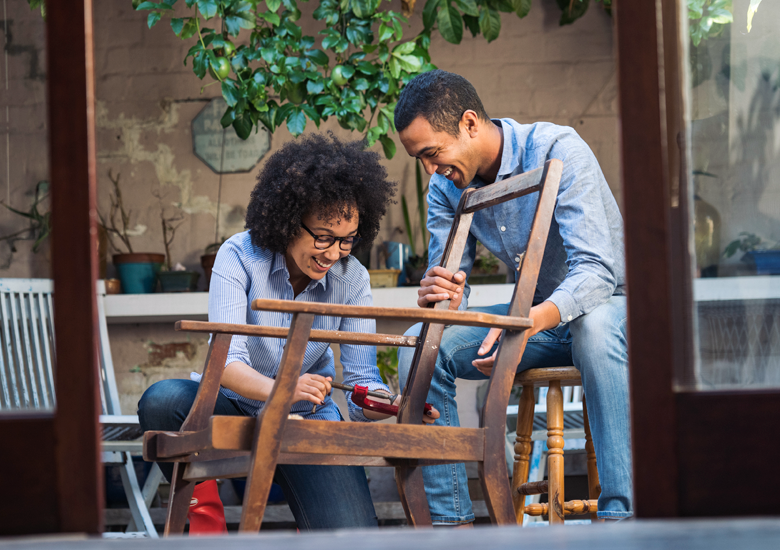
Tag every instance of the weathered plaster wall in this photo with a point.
(147, 99)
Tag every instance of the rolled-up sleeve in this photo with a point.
(359, 362)
(581, 217)
(228, 292)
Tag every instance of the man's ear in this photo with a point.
(470, 123)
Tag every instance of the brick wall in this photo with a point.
(146, 100)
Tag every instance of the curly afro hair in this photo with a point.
(322, 175)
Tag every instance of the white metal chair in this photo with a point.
(27, 365)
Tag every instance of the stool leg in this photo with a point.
(555, 451)
(594, 486)
(523, 446)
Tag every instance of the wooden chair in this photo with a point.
(210, 446)
(556, 508)
(27, 367)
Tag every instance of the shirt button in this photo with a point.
(517, 259)
(503, 228)
(569, 317)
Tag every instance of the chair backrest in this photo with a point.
(26, 344)
(27, 352)
(544, 181)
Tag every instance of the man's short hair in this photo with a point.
(439, 97)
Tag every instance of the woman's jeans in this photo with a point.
(594, 343)
(320, 497)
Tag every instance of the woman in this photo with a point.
(316, 200)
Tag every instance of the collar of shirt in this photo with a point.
(279, 263)
(510, 159)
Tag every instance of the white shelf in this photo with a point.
(194, 306)
(157, 308)
(168, 308)
(762, 287)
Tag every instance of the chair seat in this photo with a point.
(123, 427)
(567, 376)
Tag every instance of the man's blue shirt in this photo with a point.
(583, 262)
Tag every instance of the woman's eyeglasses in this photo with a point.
(323, 242)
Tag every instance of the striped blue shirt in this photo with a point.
(243, 273)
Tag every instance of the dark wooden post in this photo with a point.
(646, 201)
(69, 51)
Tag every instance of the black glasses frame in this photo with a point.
(324, 242)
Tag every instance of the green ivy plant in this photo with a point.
(281, 77)
(484, 16)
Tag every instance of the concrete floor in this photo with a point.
(714, 534)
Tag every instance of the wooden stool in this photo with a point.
(557, 508)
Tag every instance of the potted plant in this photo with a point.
(485, 269)
(416, 264)
(40, 227)
(387, 363)
(207, 260)
(762, 254)
(173, 278)
(137, 270)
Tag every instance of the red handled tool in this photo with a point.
(361, 393)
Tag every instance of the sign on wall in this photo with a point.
(220, 148)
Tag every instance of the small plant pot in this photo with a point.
(766, 262)
(207, 263)
(178, 281)
(138, 272)
(487, 279)
(414, 276)
(384, 278)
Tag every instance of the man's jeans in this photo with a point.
(594, 343)
(320, 497)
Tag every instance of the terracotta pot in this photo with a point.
(207, 263)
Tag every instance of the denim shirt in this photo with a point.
(243, 273)
(583, 263)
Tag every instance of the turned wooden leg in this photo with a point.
(555, 451)
(178, 502)
(523, 446)
(411, 491)
(594, 486)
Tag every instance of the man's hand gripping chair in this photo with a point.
(210, 447)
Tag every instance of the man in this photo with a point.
(579, 310)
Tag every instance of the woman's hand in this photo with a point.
(312, 387)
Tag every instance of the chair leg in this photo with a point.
(179, 501)
(135, 500)
(523, 446)
(494, 477)
(555, 451)
(411, 491)
(594, 486)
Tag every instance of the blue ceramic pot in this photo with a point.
(138, 272)
(178, 281)
(767, 262)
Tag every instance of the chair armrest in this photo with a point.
(329, 336)
(415, 315)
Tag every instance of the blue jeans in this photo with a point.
(320, 497)
(594, 343)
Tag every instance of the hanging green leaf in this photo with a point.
(489, 23)
(450, 24)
